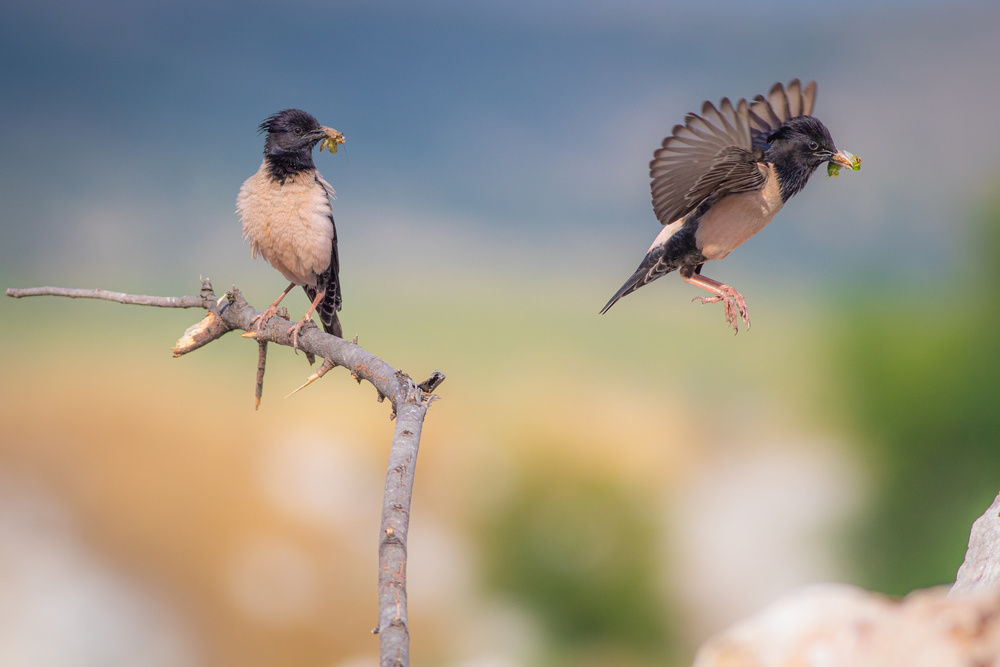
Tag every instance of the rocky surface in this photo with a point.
(836, 625)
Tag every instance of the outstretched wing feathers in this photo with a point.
(735, 170)
(716, 152)
(779, 100)
(711, 152)
(782, 103)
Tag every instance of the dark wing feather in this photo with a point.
(735, 170)
(782, 103)
(709, 154)
(329, 284)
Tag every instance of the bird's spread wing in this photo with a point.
(711, 153)
(769, 113)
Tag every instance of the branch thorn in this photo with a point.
(320, 372)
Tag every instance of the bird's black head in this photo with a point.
(797, 148)
(291, 136)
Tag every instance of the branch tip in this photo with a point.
(200, 333)
(261, 362)
(433, 382)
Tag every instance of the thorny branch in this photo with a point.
(409, 402)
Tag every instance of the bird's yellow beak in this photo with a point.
(333, 139)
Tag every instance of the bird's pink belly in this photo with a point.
(289, 225)
(729, 223)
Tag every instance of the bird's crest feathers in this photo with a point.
(285, 119)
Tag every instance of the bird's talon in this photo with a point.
(296, 328)
(734, 306)
(262, 318)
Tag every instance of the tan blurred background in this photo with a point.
(595, 490)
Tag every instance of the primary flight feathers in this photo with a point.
(699, 156)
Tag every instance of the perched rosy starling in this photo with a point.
(288, 218)
(723, 175)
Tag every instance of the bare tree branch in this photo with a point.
(409, 407)
(431, 383)
(261, 363)
(393, 626)
(105, 295)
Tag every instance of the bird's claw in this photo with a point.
(734, 305)
(268, 313)
(296, 328)
(294, 331)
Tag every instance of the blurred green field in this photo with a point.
(555, 473)
(544, 399)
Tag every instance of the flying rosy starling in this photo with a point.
(723, 175)
(288, 218)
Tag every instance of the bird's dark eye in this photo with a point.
(297, 130)
(813, 145)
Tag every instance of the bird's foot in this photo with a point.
(268, 313)
(735, 306)
(297, 327)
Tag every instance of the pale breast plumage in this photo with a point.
(733, 220)
(289, 224)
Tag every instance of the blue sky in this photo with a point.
(524, 126)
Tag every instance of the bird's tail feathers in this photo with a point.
(649, 270)
(631, 285)
(331, 324)
(327, 309)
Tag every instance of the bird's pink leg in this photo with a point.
(732, 300)
(308, 318)
(271, 310)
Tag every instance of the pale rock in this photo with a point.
(836, 625)
(981, 569)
